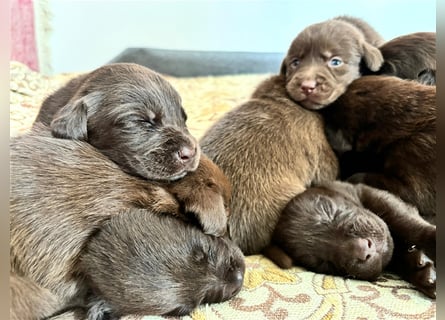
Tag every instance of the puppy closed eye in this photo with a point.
(150, 119)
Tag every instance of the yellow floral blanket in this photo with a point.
(268, 291)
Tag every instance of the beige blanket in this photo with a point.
(268, 291)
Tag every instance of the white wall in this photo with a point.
(88, 33)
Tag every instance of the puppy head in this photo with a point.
(411, 56)
(143, 263)
(323, 60)
(133, 116)
(334, 238)
(205, 194)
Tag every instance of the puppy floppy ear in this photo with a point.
(372, 56)
(70, 122)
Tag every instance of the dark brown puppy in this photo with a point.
(326, 57)
(271, 149)
(342, 229)
(142, 263)
(393, 122)
(411, 56)
(63, 190)
(131, 114)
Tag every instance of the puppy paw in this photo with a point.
(421, 271)
(210, 212)
(204, 196)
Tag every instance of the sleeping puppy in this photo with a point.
(133, 262)
(391, 124)
(348, 230)
(62, 191)
(271, 149)
(326, 57)
(141, 263)
(411, 56)
(131, 114)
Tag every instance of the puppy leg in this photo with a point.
(415, 266)
(204, 194)
(403, 220)
(278, 256)
(424, 200)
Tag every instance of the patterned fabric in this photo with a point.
(268, 291)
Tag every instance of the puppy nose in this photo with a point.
(364, 249)
(236, 282)
(186, 154)
(308, 86)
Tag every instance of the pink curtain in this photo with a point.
(23, 39)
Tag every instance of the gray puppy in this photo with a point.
(62, 191)
(142, 263)
(326, 57)
(131, 114)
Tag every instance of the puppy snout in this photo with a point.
(187, 154)
(364, 249)
(308, 86)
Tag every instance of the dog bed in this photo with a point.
(268, 292)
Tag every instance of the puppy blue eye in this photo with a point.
(335, 62)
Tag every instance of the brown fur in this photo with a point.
(342, 229)
(392, 122)
(63, 190)
(141, 263)
(131, 114)
(37, 302)
(313, 78)
(411, 56)
(271, 149)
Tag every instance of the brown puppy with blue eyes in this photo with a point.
(130, 114)
(326, 57)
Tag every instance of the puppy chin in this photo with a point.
(315, 101)
(311, 105)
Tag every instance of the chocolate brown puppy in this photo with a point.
(131, 114)
(142, 263)
(348, 230)
(326, 57)
(63, 190)
(393, 123)
(411, 56)
(271, 149)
